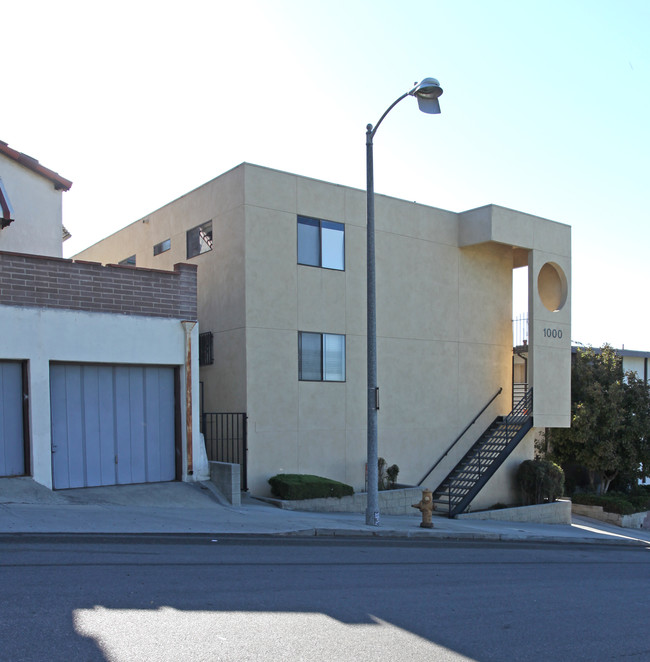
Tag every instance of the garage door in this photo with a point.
(12, 449)
(112, 425)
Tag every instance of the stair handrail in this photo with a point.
(458, 438)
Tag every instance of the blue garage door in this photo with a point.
(112, 425)
(12, 445)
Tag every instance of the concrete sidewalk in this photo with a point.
(197, 508)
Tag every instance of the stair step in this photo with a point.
(477, 462)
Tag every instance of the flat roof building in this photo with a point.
(282, 289)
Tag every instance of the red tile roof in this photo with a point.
(60, 183)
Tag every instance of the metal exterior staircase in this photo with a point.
(482, 460)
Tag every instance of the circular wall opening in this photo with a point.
(552, 286)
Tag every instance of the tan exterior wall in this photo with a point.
(37, 228)
(443, 322)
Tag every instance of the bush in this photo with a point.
(618, 503)
(387, 476)
(540, 480)
(303, 486)
(610, 503)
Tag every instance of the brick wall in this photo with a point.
(39, 281)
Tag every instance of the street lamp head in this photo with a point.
(427, 93)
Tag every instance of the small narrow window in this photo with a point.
(321, 243)
(199, 239)
(321, 357)
(128, 260)
(206, 356)
(162, 247)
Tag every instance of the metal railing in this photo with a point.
(488, 453)
(460, 436)
(520, 330)
(519, 390)
(226, 440)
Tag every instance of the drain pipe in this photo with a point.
(188, 326)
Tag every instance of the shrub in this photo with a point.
(304, 486)
(387, 476)
(610, 503)
(540, 480)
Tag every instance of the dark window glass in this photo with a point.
(162, 247)
(206, 355)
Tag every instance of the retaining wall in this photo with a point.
(558, 512)
(391, 502)
(634, 521)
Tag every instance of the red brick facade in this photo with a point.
(38, 281)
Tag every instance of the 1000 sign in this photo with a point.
(552, 333)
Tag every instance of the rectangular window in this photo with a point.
(206, 355)
(321, 357)
(128, 260)
(162, 247)
(321, 243)
(199, 239)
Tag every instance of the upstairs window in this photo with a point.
(162, 247)
(321, 357)
(5, 207)
(199, 239)
(321, 243)
(128, 260)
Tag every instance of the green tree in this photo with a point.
(610, 420)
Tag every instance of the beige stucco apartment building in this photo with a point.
(282, 286)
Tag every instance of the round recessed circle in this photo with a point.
(552, 286)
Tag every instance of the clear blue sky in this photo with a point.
(545, 110)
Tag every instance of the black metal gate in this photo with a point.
(226, 440)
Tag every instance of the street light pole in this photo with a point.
(427, 93)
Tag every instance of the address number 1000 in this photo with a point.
(552, 333)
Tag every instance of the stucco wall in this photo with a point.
(40, 335)
(444, 298)
(56, 310)
(443, 321)
(221, 280)
(37, 207)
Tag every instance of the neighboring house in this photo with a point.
(98, 365)
(282, 289)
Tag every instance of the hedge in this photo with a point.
(620, 504)
(292, 487)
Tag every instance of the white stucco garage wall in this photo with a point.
(39, 336)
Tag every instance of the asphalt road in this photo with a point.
(193, 598)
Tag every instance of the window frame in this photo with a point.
(207, 239)
(321, 224)
(323, 359)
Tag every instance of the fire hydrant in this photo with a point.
(426, 507)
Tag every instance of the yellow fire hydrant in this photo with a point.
(426, 507)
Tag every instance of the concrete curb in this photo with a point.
(331, 533)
